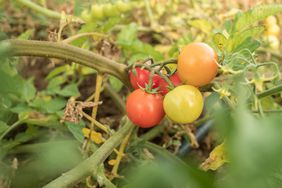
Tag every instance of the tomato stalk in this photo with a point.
(67, 52)
(84, 168)
(121, 153)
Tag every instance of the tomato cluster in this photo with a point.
(272, 32)
(176, 95)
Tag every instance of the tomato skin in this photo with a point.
(197, 64)
(144, 109)
(164, 86)
(184, 104)
(142, 78)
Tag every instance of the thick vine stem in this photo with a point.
(270, 91)
(90, 165)
(67, 52)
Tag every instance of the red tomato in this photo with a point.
(144, 109)
(197, 64)
(164, 86)
(142, 78)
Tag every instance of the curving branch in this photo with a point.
(67, 52)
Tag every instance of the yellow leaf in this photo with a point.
(216, 159)
(112, 162)
(201, 24)
(95, 136)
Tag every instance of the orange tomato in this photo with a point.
(197, 64)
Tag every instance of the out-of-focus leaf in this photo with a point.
(201, 24)
(220, 41)
(115, 83)
(258, 13)
(69, 90)
(76, 130)
(239, 38)
(28, 90)
(216, 159)
(49, 104)
(57, 71)
(3, 127)
(130, 44)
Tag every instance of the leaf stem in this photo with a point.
(42, 10)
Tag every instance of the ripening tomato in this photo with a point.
(164, 86)
(197, 64)
(144, 109)
(142, 78)
(184, 104)
(273, 30)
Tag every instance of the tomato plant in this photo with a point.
(140, 78)
(184, 104)
(144, 109)
(197, 64)
(96, 52)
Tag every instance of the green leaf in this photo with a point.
(249, 44)
(57, 71)
(69, 90)
(28, 90)
(48, 104)
(127, 34)
(220, 41)
(239, 38)
(76, 130)
(202, 25)
(256, 14)
(115, 83)
(3, 127)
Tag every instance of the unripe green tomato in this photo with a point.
(273, 30)
(184, 104)
(97, 11)
(85, 16)
(270, 21)
(110, 10)
(122, 6)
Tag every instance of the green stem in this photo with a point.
(12, 127)
(116, 98)
(150, 13)
(154, 132)
(90, 165)
(70, 53)
(167, 62)
(270, 91)
(42, 10)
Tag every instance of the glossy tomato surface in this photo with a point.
(142, 77)
(197, 64)
(143, 109)
(184, 104)
(164, 86)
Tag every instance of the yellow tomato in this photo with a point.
(270, 21)
(273, 30)
(184, 104)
